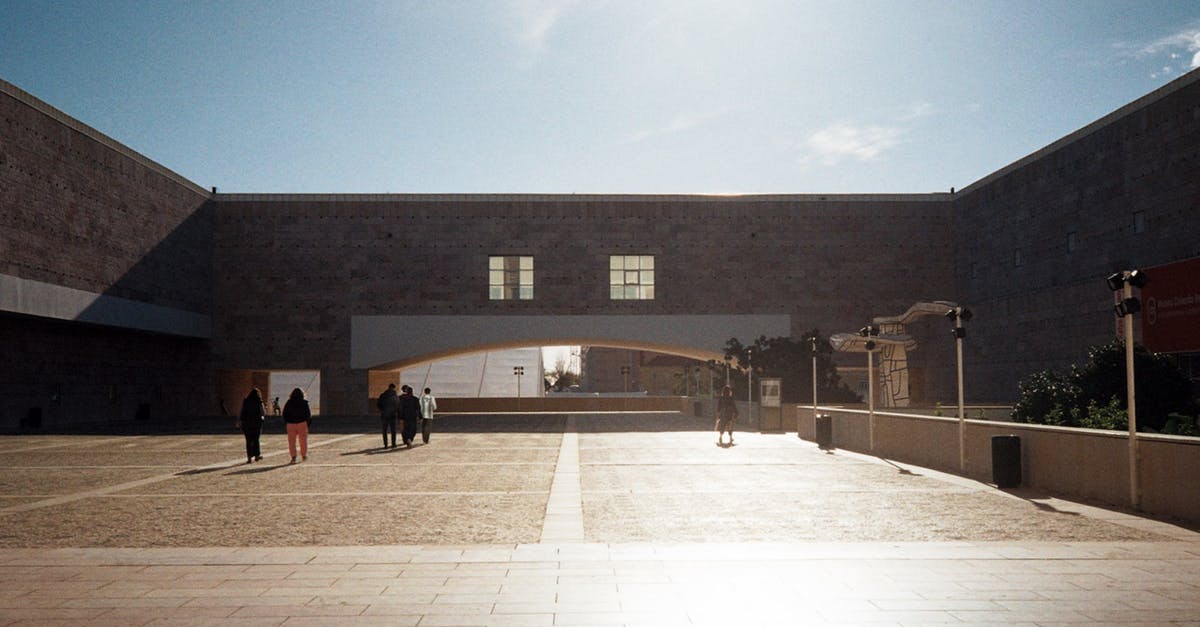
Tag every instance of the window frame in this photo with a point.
(511, 277)
(632, 277)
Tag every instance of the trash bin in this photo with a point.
(1006, 461)
(33, 419)
(824, 431)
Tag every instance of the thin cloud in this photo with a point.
(843, 141)
(838, 142)
(535, 22)
(918, 110)
(1179, 52)
(679, 124)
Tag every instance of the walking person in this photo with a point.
(388, 406)
(250, 421)
(410, 413)
(428, 406)
(298, 416)
(727, 413)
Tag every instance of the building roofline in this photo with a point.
(65, 119)
(1141, 103)
(466, 198)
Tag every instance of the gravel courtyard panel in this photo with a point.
(58, 481)
(266, 520)
(309, 477)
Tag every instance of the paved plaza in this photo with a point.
(590, 519)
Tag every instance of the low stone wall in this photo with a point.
(1087, 464)
(564, 404)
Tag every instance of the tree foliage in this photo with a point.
(790, 361)
(1093, 395)
(561, 377)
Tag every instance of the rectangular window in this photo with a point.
(1071, 242)
(631, 277)
(510, 278)
(1139, 221)
(1017, 260)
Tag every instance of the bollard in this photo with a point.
(1006, 461)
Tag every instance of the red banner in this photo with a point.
(1171, 307)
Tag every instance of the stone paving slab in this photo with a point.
(609, 523)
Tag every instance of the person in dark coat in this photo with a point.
(727, 413)
(388, 406)
(410, 413)
(298, 417)
(250, 421)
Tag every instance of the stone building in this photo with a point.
(126, 290)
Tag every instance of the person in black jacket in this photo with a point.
(388, 406)
(298, 417)
(250, 421)
(410, 413)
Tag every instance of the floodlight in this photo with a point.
(1116, 281)
(1137, 278)
(1127, 307)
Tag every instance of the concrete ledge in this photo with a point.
(46, 300)
(396, 341)
(1072, 462)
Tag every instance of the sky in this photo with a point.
(572, 96)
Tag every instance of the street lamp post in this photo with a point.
(749, 385)
(625, 374)
(518, 371)
(959, 315)
(1125, 282)
(813, 339)
(870, 331)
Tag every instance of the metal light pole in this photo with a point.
(870, 331)
(814, 373)
(871, 396)
(625, 374)
(1131, 404)
(749, 385)
(1129, 305)
(518, 371)
(960, 315)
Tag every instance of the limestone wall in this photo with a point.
(1036, 240)
(1085, 464)
(290, 271)
(79, 211)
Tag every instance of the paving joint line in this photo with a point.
(120, 487)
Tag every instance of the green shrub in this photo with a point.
(1047, 397)
(1093, 395)
(1110, 416)
(1182, 424)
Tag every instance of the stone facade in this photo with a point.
(282, 275)
(81, 211)
(1035, 241)
(290, 271)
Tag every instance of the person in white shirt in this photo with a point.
(428, 405)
